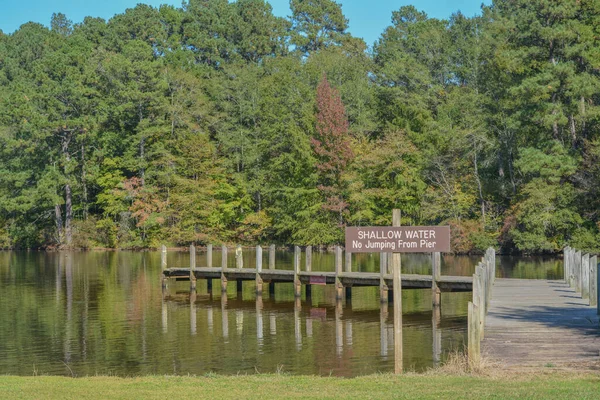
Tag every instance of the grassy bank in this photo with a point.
(539, 385)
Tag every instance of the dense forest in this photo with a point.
(220, 122)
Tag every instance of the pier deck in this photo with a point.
(540, 323)
(347, 279)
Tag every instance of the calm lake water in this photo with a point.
(88, 313)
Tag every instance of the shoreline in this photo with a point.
(539, 383)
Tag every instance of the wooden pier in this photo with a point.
(341, 278)
(546, 322)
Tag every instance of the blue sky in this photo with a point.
(368, 19)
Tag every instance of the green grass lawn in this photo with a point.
(542, 385)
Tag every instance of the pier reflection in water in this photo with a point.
(329, 336)
(105, 313)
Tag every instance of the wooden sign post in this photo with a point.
(396, 265)
(399, 239)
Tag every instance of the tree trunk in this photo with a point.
(84, 183)
(59, 223)
(142, 172)
(573, 131)
(479, 186)
(68, 215)
(66, 139)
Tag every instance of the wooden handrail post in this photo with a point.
(383, 288)
(397, 288)
(297, 284)
(338, 272)
(223, 269)
(594, 281)
(209, 251)
(308, 268)
(436, 275)
(192, 268)
(348, 268)
(258, 280)
(163, 257)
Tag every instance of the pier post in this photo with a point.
(164, 316)
(239, 257)
(163, 265)
(477, 289)
(192, 268)
(436, 318)
(271, 267)
(572, 268)
(436, 294)
(259, 281)
(585, 276)
(339, 329)
(297, 284)
(578, 271)
(308, 268)
(259, 320)
(223, 268)
(396, 263)
(239, 264)
(193, 314)
(209, 251)
(594, 281)
(383, 288)
(474, 347)
(348, 268)
(163, 257)
(298, 323)
(566, 254)
(224, 317)
(338, 272)
(383, 331)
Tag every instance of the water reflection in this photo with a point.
(106, 313)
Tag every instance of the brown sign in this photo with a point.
(404, 239)
(317, 280)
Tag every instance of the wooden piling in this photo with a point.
(594, 281)
(272, 256)
(566, 265)
(192, 268)
(383, 288)
(572, 268)
(239, 257)
(223, 268)
(436, 275)
(297, 284)
(396, 264)
(339, 329)
(585, 276)
(348, 268)
(478, 299)
(308, 268)
(258, 279)
(473, 340)
(272, 266)
(383, 330)
(436, 318)
(209, 251)
(163, 257)
(339, 288)
(578, 271)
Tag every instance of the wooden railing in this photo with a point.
(581, 273)
(483, 280)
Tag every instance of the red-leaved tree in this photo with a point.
(332, 147)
